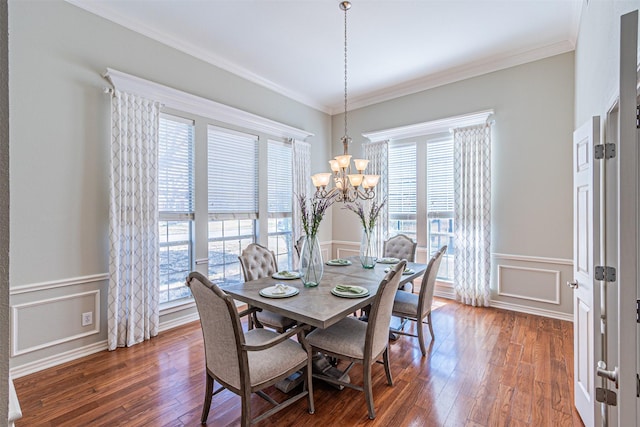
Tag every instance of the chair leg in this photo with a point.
(208, 394)
(308, 385)
(368, 390)
(387, 366)
(245, 420)
(430, 327)
(420, 329)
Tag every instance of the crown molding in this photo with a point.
(101, 9)
(430, 81)
(189, 103)
(457, 74)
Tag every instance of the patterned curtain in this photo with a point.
(472, 177)
(378, 155)
(301, 168)
(133, 312)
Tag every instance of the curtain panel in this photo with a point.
(378, 155)
(301, 168)
(133, 308)
(472, 198)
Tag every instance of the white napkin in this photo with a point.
(280, 288)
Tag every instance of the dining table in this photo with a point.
(318, 306)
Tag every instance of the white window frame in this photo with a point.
(207, 112)
(421, 133)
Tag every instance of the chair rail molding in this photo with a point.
(52, 284)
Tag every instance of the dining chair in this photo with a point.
(257, 262)
(246, 362)
(298, 245)
(416, 307)
(400, 246)
(362, 342)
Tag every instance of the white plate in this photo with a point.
(274, 291)
(406, 272)
(341, 294)
(286, 275)
(339, 262)
(389, 260)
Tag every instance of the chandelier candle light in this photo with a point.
(348, 187)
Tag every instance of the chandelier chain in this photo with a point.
(345, 71)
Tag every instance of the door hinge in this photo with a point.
(637, 385)
(606, 396)
(638, 312)
(608, 274)
(604, 151)
(637, 116)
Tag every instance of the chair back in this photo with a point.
(257, 262)
(380, 314)
(400, 246)
(425, 299)
(298, 245)
(221, 330)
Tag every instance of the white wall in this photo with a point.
(59, 162)
(531, 180)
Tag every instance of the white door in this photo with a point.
(628, 187)
(586, 234)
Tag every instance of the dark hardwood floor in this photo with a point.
(486, 367)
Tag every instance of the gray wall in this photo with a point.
(531, 181)
(4, 212)
(60, 164)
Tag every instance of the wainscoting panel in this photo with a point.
(48, 322)
(534, 284)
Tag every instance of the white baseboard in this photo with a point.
(165, 326)
(68, 356)
(58, 359)
(532, 310)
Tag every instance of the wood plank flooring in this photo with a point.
(486, 367)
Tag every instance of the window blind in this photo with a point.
(440, 179)
(280, 178)
(233, 174)
(402, 181)
(175, 165)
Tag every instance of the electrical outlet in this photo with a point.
(87, 318)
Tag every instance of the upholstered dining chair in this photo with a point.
(417, 307)
(298, 245)
(258, 262)
(402, 247)
(362, 342)
(246, 362)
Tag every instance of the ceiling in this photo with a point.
(395, 47)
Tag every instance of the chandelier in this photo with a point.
(347, 186)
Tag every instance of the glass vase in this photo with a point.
(368, 249)
(311, 265)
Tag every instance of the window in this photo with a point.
(175, 205)
(402, 189)
(279, 202)
(421, 184)
(440, 202)
(232, 200)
